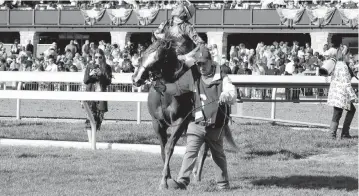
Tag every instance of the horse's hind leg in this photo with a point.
(176, 134)
(161, 132)
(197, 171)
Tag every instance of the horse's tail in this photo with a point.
(229, 138)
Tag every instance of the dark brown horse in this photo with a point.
(159, 62)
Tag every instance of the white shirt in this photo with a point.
(51, 68)
(102, 47)
(289, 67)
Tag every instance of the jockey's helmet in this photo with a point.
(184, 11)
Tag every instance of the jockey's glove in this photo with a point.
(159, 86)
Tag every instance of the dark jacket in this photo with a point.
(101, 80)
(30, 48)
(225, 69)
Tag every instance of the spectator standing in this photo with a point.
(72, 47)
(307, 47)
(215, 55)
(295, 47)
(86, 48)
(341, 97)
(15, 47)
(97, 78)
(233, 52)
(92, 49)
(101, 45)
(29, 47)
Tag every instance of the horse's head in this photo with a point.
(158, 54)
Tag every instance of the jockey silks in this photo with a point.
(183, 35)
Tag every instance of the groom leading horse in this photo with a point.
(169, 58)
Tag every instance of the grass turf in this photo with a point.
(54, 171)
(314, 113)
(273, 160)
(253, 138)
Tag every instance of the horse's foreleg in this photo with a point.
(161, 132)
(176, 134)
(201, 158)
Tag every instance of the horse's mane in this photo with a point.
(163, 43)
(167, 65)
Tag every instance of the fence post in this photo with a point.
(239, 108)
(139, 107)
(273, 110)
(18, 102)
(317, 74)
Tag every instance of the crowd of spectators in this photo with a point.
(278, 58)
(274, 59)
(129, 4)
(74, 59)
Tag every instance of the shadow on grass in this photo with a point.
(286, 153)
(311, 182)
(19, 124)
(30, 155)
(278, 124)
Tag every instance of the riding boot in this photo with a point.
(333, 129)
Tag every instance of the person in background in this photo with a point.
(15, 47)
(69, 55)
(307, 47)
(86, 48)
(3, 65)
(3, 53)
(72, 47)
(29, 47)
(341, 95)
(215, 55)
(97, 77)
(225, 69)
(51, 67)
(92, 48)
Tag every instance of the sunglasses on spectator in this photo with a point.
(98, 57)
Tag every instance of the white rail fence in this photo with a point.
(238, 80)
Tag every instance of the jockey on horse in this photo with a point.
(180, 31)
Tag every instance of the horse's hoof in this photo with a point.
(163, 187)
(174, 185)
(197, 179)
